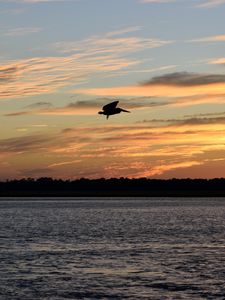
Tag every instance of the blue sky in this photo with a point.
(62, 60)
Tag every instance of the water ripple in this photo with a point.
(112, 249)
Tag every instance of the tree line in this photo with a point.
(46, 186)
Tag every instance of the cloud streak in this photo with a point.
(209, 39)
(24, 144)
(188, 121)
(181, 88)
(186, 79)
(14, 32)
(133, 150)
(202, 4)
(77, 64)
(87, 107)
(211, 3)
(217, 61)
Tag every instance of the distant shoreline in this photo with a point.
(114, 187)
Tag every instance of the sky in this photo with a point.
(62, 60)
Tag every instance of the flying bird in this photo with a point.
(111, 109)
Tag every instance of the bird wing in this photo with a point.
(110, 106)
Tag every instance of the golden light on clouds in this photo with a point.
(74, 64)
(58, 70)
(217, 61)
(131, 151)
(157, 91)
(215, 38)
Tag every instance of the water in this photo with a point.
(112, 249)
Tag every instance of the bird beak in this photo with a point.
(126, 110)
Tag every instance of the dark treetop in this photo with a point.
(113, 187)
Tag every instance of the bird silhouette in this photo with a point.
(111, 109)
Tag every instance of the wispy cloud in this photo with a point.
(177, 88)
(217, 61)
(188, 121)
(209, 39)
(200, 4)
(112, 42)
(123, 31)
(80, 61)
(163, 168)
(186, 79)
(87, 107)
(136, 150)
(141, 70)
(211, 3)
(16, 114)
(64, 163)
(40, 104)
(14, 32)
(23, 144)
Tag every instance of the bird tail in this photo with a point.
(125, 110)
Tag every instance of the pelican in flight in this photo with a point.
(111, 109)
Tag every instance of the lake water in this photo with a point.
(149, 248)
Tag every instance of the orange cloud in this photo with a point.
(136, 150)
(69, 112)
(181, 88)
(63, 163)
(159, 170)
(218, 61)
(156, 91)
(204, 4)
(45, 75)
(214, 38)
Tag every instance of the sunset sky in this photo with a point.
(62, 60)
